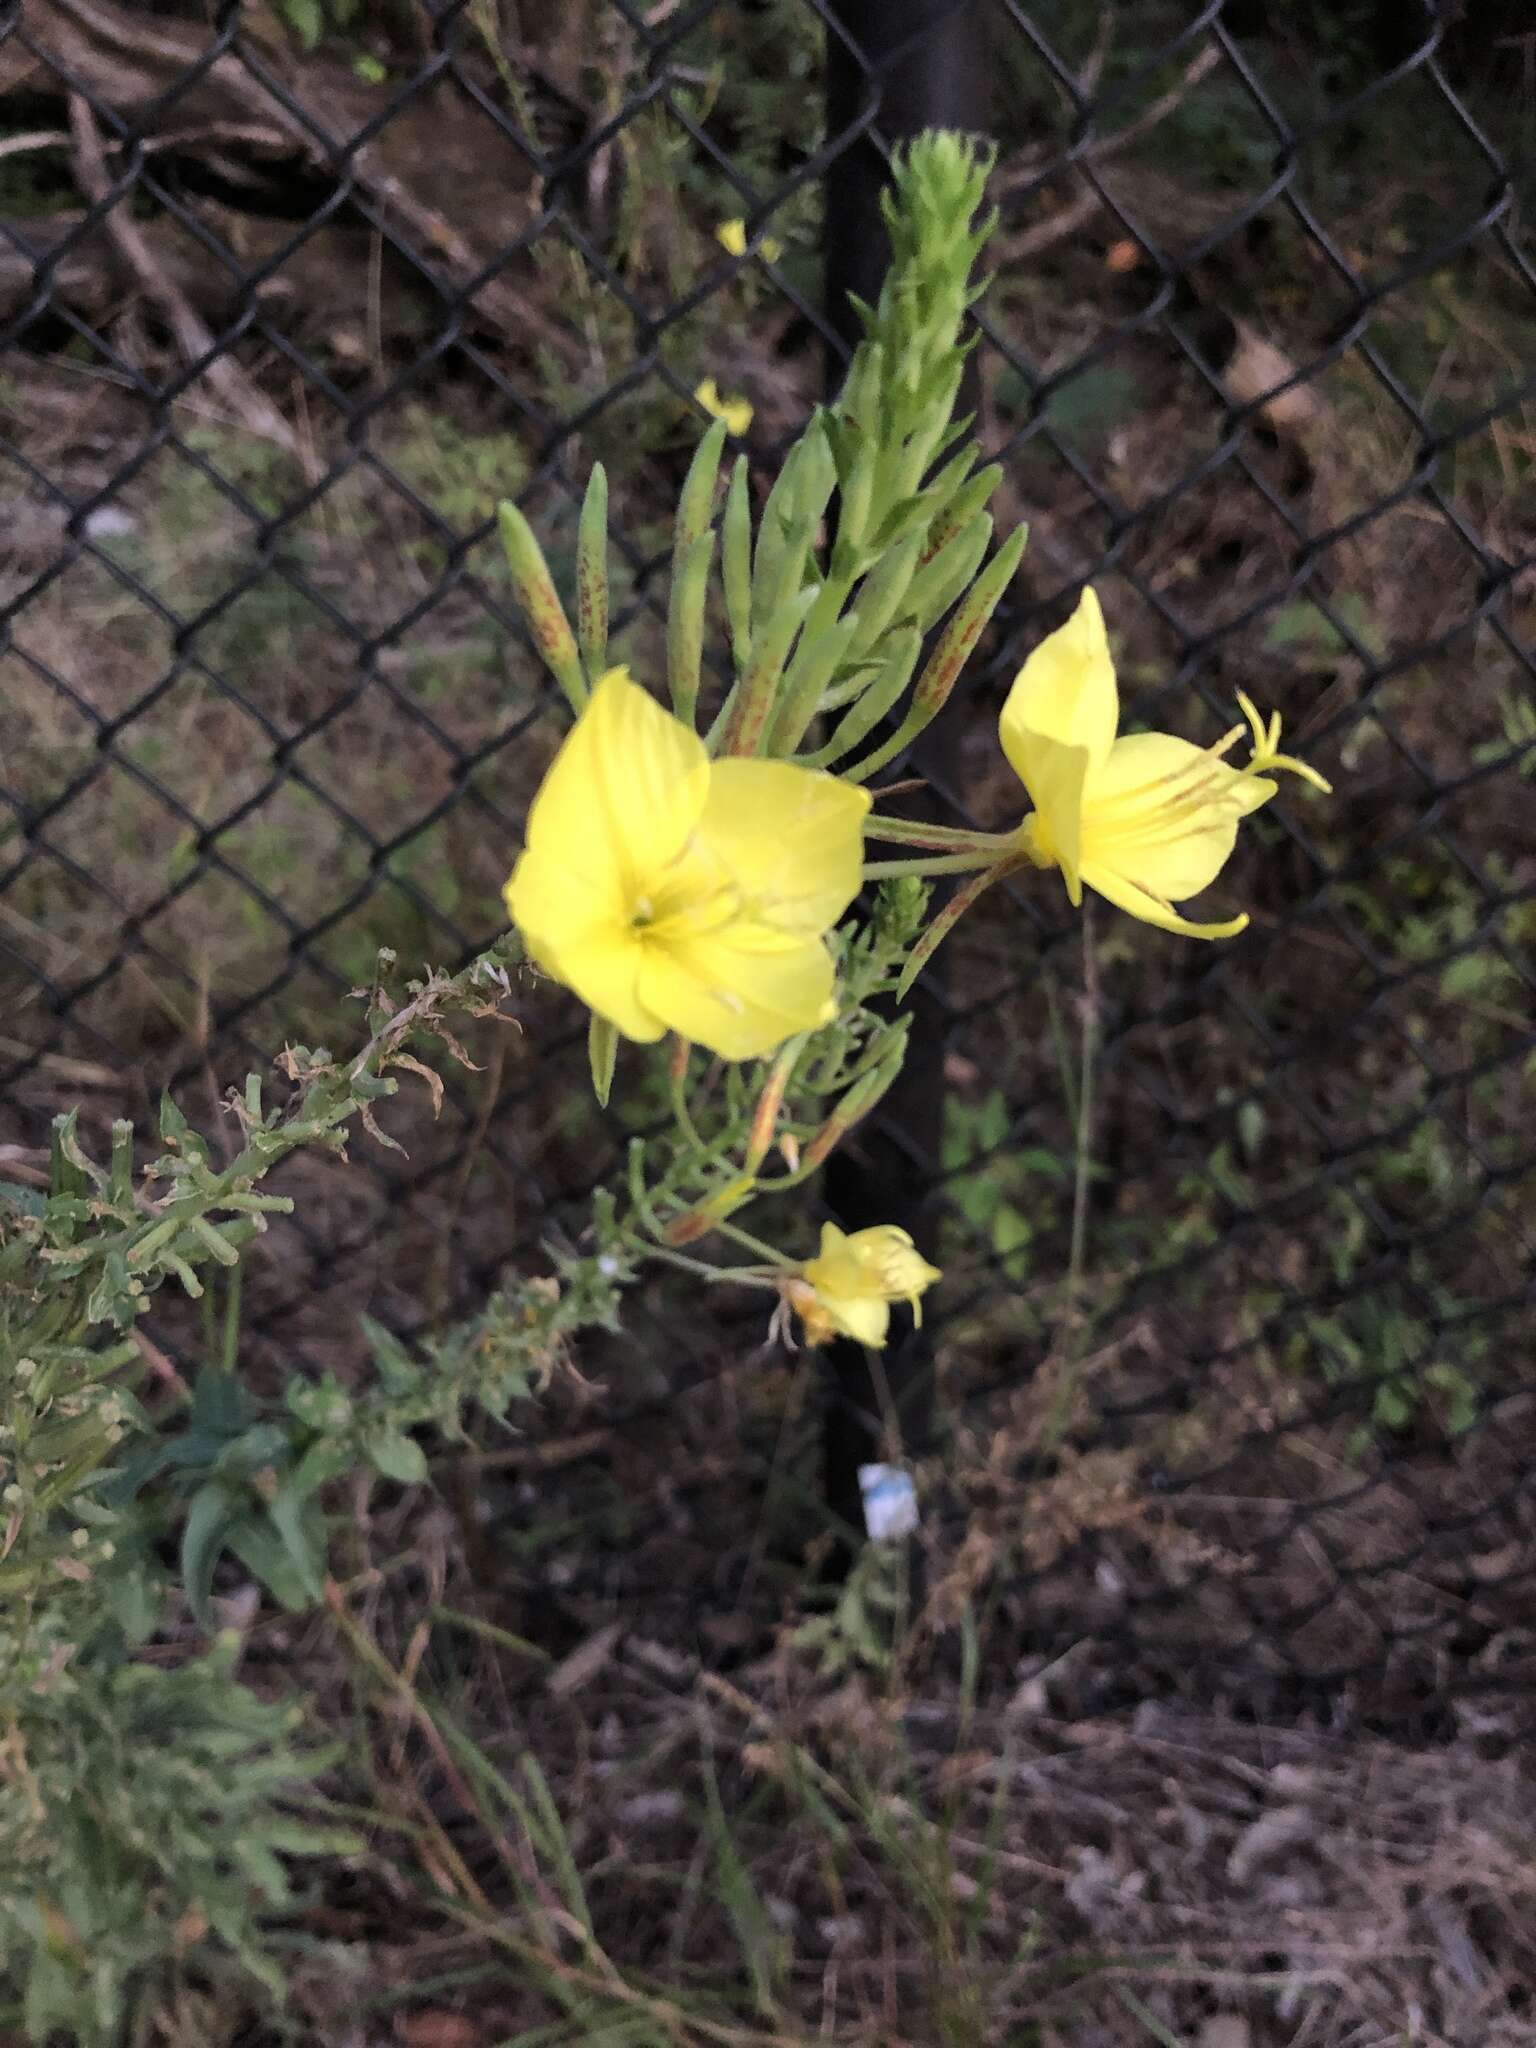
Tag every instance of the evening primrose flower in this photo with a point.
(672, 892)
(736, 412)
(848, 1288)
(732, 237)
(1145, 819)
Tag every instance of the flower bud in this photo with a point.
(859, 1100)
(700, 1220)
(541, 605)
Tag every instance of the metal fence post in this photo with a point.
(901, 66)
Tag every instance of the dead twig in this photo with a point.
(1062, 225)
(193, 337)
(123, 60)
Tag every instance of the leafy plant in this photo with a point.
(146, 1813)
(997, 1186)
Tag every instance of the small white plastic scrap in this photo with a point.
(890, 1502)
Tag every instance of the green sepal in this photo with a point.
(603, 1052)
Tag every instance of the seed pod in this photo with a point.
(967, 625)
(745, 728)
(962, 505)
(541, 605)
(766, 1115)
(859, 1100)
(936, 586)
(701, 1219)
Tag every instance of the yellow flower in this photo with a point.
(1145, 819)
(736, 412)
(672, 892)
(848, 1288)
(732, 237)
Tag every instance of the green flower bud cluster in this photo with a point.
(874, 533)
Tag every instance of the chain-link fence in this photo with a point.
(290, 296)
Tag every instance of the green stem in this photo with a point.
(749, 1243)
(737, 1275)
(939, 864)
(936, 838)
(1082, 1173)
(684, 1114)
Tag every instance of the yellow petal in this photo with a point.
(789, 839)
(890, 1261)
(732, 237)
(1054, 775)
(866, 1318)
(835, 1266)
(622, 794)
(741, 989)
(1164, 813)
(1065, 692)
(1151, 910)
(575, 932)
(736, 412)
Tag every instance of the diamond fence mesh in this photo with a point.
(289, 298)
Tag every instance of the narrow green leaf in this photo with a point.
(780, 515)
(603, 1051)
(592, 574)
(816, 662)
(736, 565)
(685, 626)
(882, 593)
(697, 500)
(212, 1510)
(302, 1535)
(876, 701)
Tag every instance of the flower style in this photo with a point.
(1144, 819)
(848, 1288)
(736, 412)
(672, 892)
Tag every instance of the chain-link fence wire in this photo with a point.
(282, 323)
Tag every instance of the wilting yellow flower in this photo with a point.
(732, 237)
(736, 412)
(672, 892)
(1145, 819)
(848, 1288)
